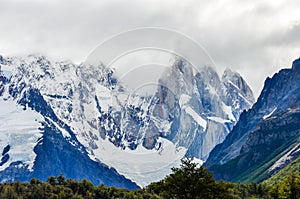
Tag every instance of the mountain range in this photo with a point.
(81, 121)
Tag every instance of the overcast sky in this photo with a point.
(254, 37)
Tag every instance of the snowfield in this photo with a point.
(141, 165)
(20, 130)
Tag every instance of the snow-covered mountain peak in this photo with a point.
(228, 74)
(192, 110)
(237, 81)
(238, 87)
(198, 104)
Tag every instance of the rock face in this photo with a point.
(201, 107)
(264, 133)
(75, 120)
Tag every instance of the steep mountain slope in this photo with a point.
(292, 168)
(80, 121)
(35, 141)
(266, 137)
(202, 107)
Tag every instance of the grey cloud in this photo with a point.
(288, 37)
(256, 35)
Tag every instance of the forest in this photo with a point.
(189, 181)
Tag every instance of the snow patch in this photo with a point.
(141, 165)
(202, 122)
(7, 71)
(20, 129)
(245, 99)
(105, 97)
(65, 133)
(228, 111)
(268, 115)
(183, 100)
(285, 158)
(219, 120)
(212, 90)
(235, 86)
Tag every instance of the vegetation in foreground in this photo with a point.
(190, 181)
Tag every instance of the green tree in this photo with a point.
(290, 188)
(190, 181)
(35, 181)
(61, 180)
(275, 191)
(84, 187)
(8, 193)
(52, 180)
